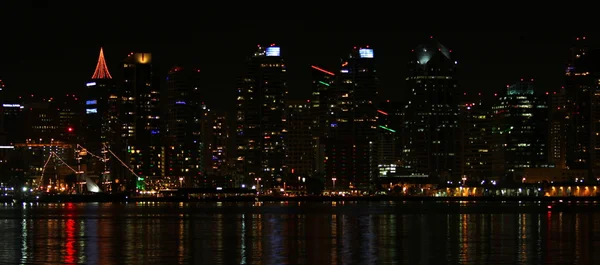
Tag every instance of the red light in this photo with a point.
(70, 129)
(322, 70)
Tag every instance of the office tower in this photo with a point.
(557, 142)
(351, 150)
(476, 125)
(583, 109)
(322, 105)
(390, 120)
(260, 118)
(299, 138)
(521, 118)
(139, 115)
(433, 142)
(184, 136)
(219, 140)
(101, 109)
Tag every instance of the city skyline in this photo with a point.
(478, 72)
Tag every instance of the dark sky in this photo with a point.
(48, 48)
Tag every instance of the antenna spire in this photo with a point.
(101, 69)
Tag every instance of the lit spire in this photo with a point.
(101, 69)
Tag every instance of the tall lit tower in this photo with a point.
(139, 117)
(521, 119)
(185, 116)
(101, 104)
(583, 109)
(260, 118)
(351, 149)
(322, 106)
(433, 107)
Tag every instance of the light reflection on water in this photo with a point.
(296, 233)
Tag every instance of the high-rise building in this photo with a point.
(557, 142)
(390, 119)
(300, 149)
(219, 140)
(101, 108)
(322, 105)
(261, 117)
(351, 150)
(476, 125)
(139, 115)
(433, 142)
(583, 109)
(184, 135)
(521, 117)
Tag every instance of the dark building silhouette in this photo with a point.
(351, 148)
(432, 147)
(583, 109)
(322, 105)
(184, 136)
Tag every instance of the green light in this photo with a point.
(323, 83)
(386, 128)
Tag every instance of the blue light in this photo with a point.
(91, 102)
(366, 53)
(273, 51)
(155, 132)
(180, 102)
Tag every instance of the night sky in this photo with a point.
(51, 49)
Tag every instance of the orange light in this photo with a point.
(101, 71)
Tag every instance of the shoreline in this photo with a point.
(123, 198)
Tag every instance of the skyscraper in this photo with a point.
(184, 136)
(521, 117)
(322, 105)
(433, 141)
(351, 149)
(583, 109)
(299, 137)
(101, 102)
(139, 115)
(260, 118)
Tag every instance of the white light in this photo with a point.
(366, 53)
(273, 51)
(91, 84)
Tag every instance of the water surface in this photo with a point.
(297, 233)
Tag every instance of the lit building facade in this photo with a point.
(139, 115)
(476, 125)
(260, 118)
(432, 148)
(184, 135)
(390, 119)
(521, 118)
(218, 146)
(351, 151)
(101, 108)
(557, 142)
(583, 109)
